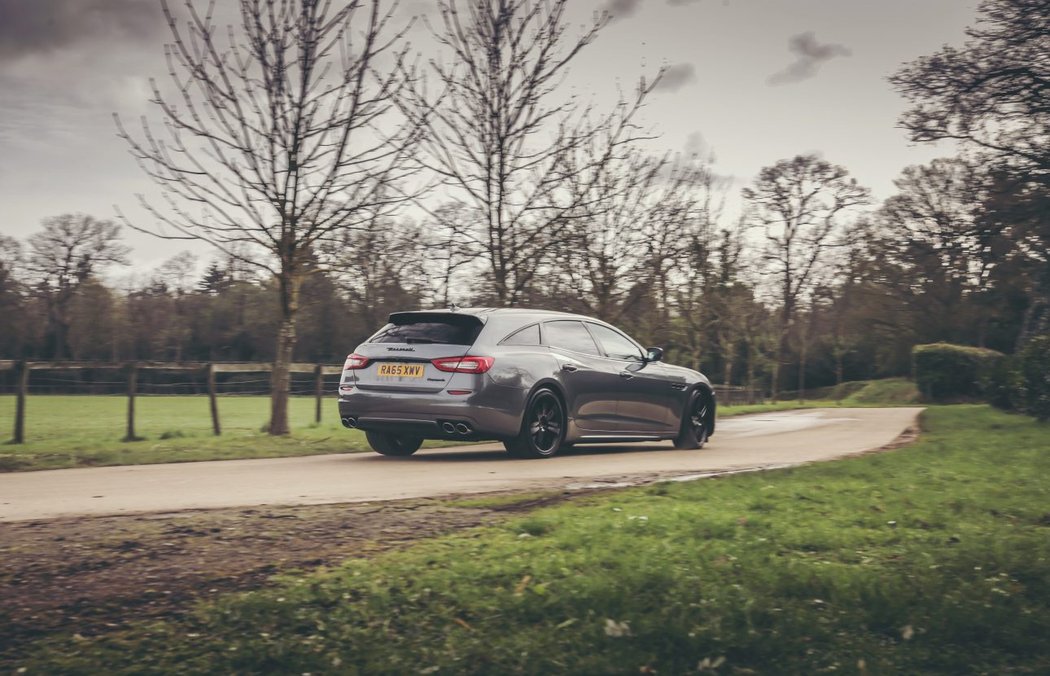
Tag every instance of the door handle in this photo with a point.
(569, 367)
(626, 374)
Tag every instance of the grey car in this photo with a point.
(536, 380)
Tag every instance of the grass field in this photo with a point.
(77, 431)
(85, 431)
(934, 558)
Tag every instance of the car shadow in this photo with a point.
(472, 455)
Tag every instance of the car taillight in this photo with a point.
(355, 361)
(463, 364)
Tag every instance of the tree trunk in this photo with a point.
(802, 373)
(787, 315)
(280, 377)
(19, 436)
(133, 386)
(750, 375)
(60, 340)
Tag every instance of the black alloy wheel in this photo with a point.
(693, 433)
(543, 428)
(396, 445)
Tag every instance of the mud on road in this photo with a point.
(94, 575)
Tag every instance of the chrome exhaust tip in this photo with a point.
(448, 427)
(463, 428)
(350, 422)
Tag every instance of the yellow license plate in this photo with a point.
(401, 370)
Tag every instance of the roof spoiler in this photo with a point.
(443, 316)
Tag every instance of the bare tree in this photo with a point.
(95, 321)
(373, 283)
(449, 253)
(12, 296)
(759, 332)
(603, 253)
(62, 257)
(799, 203)
(169, 285)
(10, 259)
(641, 210)
(935, 227)
(711, 295)
(844, 298)
(177, 273)
(992, 93)
(678, 232)
(505, 140)
(280, 133)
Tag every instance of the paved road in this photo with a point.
(746, 442)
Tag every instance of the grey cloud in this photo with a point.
(811, 54)
(418, 7)
(31, 27)
(694, 145)
(675, 77)
(422, 11)
(621, 9)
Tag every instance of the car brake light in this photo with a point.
(463, 364)
(355, 361)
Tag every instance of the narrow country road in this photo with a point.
(746, 442)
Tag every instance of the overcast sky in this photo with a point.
(752, 81)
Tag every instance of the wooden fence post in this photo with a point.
(20, 403)
(133, 382)
(318, 390)
(212, 401)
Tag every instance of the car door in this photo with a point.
(645, 395)
(590, 380)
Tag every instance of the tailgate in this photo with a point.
(400, 353)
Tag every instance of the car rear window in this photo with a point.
(421, 328)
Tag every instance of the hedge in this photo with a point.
(946, 372)
(1035, 377)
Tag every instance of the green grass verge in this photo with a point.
(887, 392)
(930, 559)
(78, 431)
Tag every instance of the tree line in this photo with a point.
(340, 179)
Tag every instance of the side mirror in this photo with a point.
(655, 354)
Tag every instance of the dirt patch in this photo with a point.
(97, 574)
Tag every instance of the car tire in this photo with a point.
(692, 434)
(397, 445)
(543, 426)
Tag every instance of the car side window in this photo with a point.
(569, 335)
(615, 344)
(530, 335)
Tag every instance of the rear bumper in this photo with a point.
(494, 413)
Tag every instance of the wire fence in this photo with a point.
(112, 379)
(736, 395)
(133, 379)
